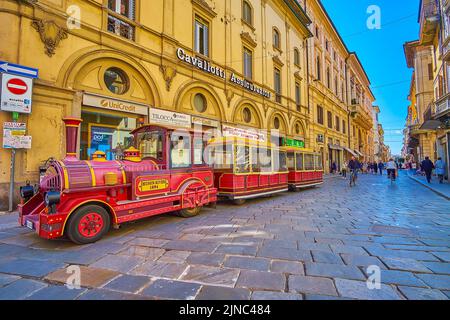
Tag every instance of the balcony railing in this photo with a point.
(442, 106)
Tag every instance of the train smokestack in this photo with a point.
(72, 126)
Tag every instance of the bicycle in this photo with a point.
(391, 174)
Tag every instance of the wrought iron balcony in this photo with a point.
(442, 106)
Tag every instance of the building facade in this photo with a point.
(118, 64)
(428, 121)
(340, 99)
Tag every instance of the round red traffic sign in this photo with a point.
(17, 86)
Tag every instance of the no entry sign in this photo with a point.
(17, 86)
(16, 93)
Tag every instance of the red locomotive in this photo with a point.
(82, 199)
(165, 172)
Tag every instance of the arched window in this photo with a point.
(296, 57)
(247, 13)
(276, 39)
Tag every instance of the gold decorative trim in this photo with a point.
(205, 7)
(169, 74)
(245, 36)
(50, 33)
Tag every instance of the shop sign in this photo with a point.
(14, 136)
(205, 122)
(207, 67)
(252, 134)
(293, 143)
(16, 92)
(114, 104)
(201, 64)
(170, 118)
(250, 86)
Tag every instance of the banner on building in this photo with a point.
(253, 134)
(170, 118)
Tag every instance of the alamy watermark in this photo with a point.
(374, 19)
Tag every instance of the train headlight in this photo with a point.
(52, 198)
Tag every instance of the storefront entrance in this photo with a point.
(107, 128)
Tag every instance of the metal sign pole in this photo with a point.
(15, 116)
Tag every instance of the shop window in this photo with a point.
(180, 152)
(248, 63)
(150, 145)
(200, 103)
(247, 13)
(299, 161)
(242, 159)
(116, 81)
(247, 115)
(105, 132)
(201, 36)
(119, 12)
(309, 162)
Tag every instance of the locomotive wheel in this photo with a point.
(239, 202)
(189, 213)
(88, 224)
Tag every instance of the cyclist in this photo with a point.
(391, 167)
(353, 166)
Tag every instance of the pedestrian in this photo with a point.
(427, 167)
(365, 167)
(333, 168)
(344, 170)
(381, 167)
(375, 167)
(440, 169)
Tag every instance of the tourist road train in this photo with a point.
(167, 170)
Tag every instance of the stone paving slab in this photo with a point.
(56, 293)
(30, 268)
(169, 289)
(258, 280)
(128, 283)
(223, 293)
(422, 294)
(359, 290)
(312, 285)
(20, 289)
(90, 277)
(334, 271)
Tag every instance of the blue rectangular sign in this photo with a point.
(18, 70)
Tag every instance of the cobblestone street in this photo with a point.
(314, 244)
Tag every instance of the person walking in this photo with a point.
(440, 169)
(333, 168)
(381, 167)
(344, 170)
(375, 168)
(427, 167)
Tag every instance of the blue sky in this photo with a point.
(381, 53)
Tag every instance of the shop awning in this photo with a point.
(359, 153)
(335, 147)
(350, 151)
(431, 125)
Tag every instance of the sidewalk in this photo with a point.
(441, 189)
